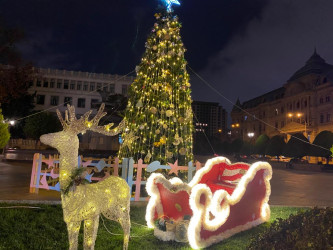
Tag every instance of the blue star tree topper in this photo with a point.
(169, 4)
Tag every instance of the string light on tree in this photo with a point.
(159, 113)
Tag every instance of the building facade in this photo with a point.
(209, 117)
(55, 89)
(304, 104)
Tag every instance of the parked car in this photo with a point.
(295, 161)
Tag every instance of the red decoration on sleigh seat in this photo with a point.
(222, 200)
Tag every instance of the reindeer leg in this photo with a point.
(125, 223)
(73, 228)
(90, 232)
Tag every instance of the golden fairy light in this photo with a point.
(110, 197)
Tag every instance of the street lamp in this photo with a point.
(235, 125)
(298, 115)
(250, 135)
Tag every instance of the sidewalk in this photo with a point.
(15, 186)
(289, 187)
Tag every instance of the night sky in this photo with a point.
(244, 48)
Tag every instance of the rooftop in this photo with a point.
(314, 65)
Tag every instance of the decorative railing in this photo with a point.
(45, 172)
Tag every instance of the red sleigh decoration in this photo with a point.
(222, 200)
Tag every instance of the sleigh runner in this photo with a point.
(221, 200)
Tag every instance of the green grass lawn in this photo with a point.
(23, 228)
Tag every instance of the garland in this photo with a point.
(76, 180)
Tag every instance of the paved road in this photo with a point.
(289, 187)
(15, 183)
(301, 188)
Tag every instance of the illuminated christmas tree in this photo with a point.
(159, 114)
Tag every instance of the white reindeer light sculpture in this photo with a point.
(111, 197)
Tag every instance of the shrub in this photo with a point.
(311, 229)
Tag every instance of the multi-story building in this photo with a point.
(304, 104)
(209, 117)
(56, 88)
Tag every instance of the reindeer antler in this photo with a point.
(81, 125)
(105, 130)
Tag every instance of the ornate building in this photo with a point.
(303, 104)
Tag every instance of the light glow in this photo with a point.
(87, 202)
(169, 4)
(217, 207)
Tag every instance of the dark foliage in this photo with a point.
(115, 105)
(275, 146)
(297, 146)
(202, 144)
(41, 123)
(322, 144)
(236, 145)
(261, 144)
(247, 148)
(16, 77)
(311, 229)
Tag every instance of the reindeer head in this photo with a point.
(67, 140)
